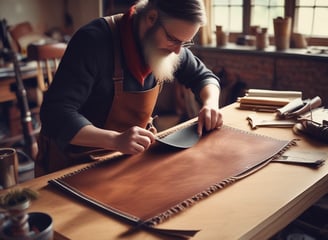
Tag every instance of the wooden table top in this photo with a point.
(255, 207)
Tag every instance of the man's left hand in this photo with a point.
(209, 119)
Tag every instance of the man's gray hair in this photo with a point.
(188, 10)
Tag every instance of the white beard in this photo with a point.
(162, 63)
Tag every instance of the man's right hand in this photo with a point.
(134, 140)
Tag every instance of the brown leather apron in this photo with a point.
(128, 109)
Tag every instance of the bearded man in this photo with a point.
(106, 86)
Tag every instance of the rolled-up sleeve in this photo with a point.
(193, 73)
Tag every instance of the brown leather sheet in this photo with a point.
(150, 187)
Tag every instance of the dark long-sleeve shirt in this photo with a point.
(82, 90)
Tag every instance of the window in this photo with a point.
(315, 16)
(228, 14)
(309, 17)
(264, 11)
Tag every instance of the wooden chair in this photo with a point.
(47, 57)
(19, 31)
(23, 34)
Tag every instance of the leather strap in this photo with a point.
(112, 22)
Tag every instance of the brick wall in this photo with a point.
(269, 70)
(308, 76)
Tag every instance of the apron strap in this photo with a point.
(113, 24)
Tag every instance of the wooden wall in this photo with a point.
(47, 14)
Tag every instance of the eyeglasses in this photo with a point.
(175, 41)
